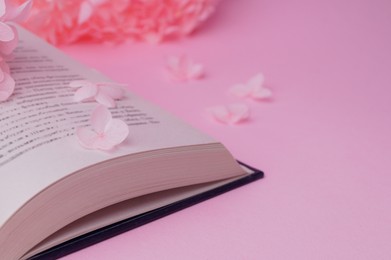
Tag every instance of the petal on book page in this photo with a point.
(7, 86)
(86, 137)
(106, 132)
(86, 92)
(117, 130)
(231, 114)
(114, 91)
(6, 32)
(105, 99)
(103, 93)
(100, 118)
(79, 83)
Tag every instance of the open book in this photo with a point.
(56, 196)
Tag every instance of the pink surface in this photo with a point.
(323, 141)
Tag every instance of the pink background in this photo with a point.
(323, 141)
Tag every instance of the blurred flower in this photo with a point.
(66, 21)
(182, 68)
(230, 114)
(253, 88)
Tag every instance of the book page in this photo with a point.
(38, 145)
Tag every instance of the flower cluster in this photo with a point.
(9, 12)
(67, 21)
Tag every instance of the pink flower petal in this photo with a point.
(196, 71)
(257, 80)
(182, 69)
(152, 38)
(18, 13)
(7, 47)
(252, 89)
(231, 114)
(240, 90)
(104, 93)
(86, 92)
(7, 87)
(238, 112)
(85, 12)
(100, 117)
(114, 91)
(220, 113)
(98, 2)
(2, 8)
(173, 62)
(6, 32)
(4, 67)
(87, 138)
(115, 133)
(106, 132)
(79, 83)
(104, 99)
(262, 93)
(103, 143)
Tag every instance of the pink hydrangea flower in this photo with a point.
(105, 132)
(68, 21)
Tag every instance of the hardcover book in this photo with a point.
(57, 197)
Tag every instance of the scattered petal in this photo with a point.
(115, 91)
(104, 93)
(182, 68)
(104, 99)
(240, 90)
(230, 114)
(252, 89)
(100, 117)
(106, 132)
